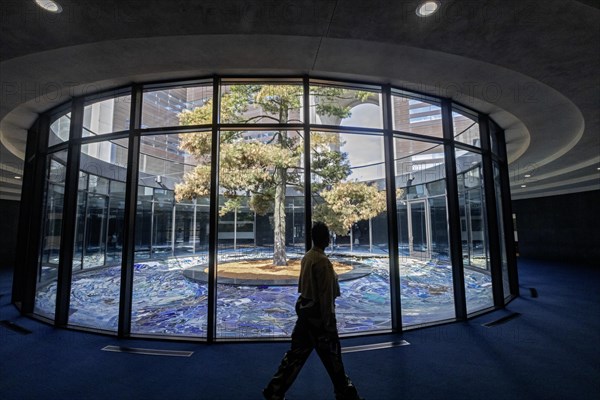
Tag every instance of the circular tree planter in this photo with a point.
(262, 272)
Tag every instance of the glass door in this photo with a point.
(419, 236)
(476, 251)
(95, 231)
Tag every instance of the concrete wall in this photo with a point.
(562, 228)
(9, 222)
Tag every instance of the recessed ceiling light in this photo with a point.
(428, 8)
(49, 5)
(527, 176)
(17, 177)
(523, 185)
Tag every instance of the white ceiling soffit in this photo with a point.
(542, 125)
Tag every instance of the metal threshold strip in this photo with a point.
(148, 352)
(374, 346)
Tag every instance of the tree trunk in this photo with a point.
(279, 253)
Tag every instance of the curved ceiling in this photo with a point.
(531, 65)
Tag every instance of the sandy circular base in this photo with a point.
(265, 270)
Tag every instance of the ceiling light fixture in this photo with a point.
(49, 5)
(17, 177)
(428, 8)
(523, 185)
(527, 176)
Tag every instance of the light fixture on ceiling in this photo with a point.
(527, 176)
(428, 8)
(523, 185)
(17, 177)
(49, 5)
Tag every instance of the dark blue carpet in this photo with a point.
(550, 351)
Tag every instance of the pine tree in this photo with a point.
(265, 170)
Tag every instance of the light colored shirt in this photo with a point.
(319, 282)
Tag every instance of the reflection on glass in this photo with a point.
(106, 116)
(95, 282)
(45, 299)
(425, 268)
(348, 185)
(416, 116)
(171, 236)
(261, 103)
(475, 252)
(466, 129)
(59, 129)
(333, 105)
(163, 107)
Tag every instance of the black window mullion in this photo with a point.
(392, 214)
(307, 167)
(507, 214)
(491, 212)
(69, 217)
(129, 215)
(30, 215)
(211, 324)
(458, 277)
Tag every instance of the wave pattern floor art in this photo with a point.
(167, 303)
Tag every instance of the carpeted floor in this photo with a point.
(549, 351)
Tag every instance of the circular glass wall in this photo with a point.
(182, 210)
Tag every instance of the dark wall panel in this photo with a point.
(9, 222)
(564, 228)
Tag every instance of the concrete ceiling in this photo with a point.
(532, 65)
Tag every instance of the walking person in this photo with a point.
(316, 325)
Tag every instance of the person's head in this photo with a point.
(320, 235)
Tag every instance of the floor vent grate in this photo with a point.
(148, 352)
(374, 346)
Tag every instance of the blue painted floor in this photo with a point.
(167, 303)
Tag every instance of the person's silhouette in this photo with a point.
(316, 325)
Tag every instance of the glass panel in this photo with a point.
(425, 269)
(348, 183)
(170, 107)
(331, 105)
(59, 129)
(45, 296)
(171, 239)
(106, 116)
(260, 233)
(476, 260)
(500, 214)
(95, 284)
(466, 129)
(416, 116)
(261, 103)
